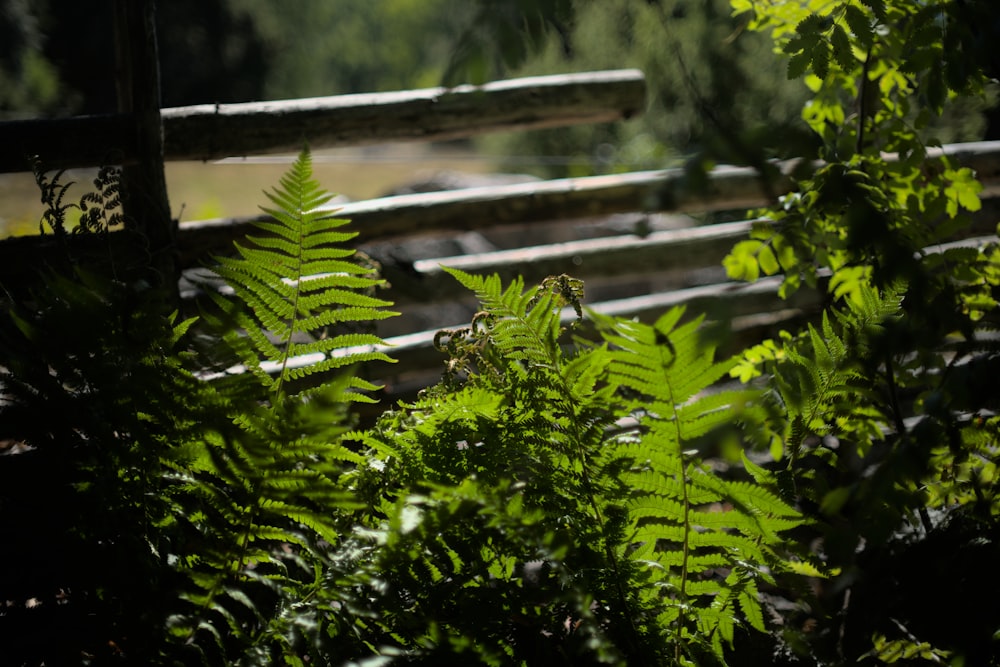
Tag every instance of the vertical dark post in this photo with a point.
(146, 206)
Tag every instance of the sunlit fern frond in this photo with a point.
(705, 540)
(265, 502)
(524, 324)
(293, 281)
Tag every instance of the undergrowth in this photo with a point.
(198, 491)
(546, 503)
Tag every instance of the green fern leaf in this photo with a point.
(296, 280)
(526, 326)
(683, 518)
(266, 497)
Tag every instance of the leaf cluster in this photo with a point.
(600, 442)
(885, 433)
(95, 404)
(97, 211)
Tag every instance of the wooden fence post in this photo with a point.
(145, 202)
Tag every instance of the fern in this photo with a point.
(704, 541)
(669, 553)
(520, 416)
(266, 506)
(295, 280)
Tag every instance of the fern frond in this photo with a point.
(267, 500)
(296, 280)
(525, 324)
(262, 516)
(685, 522)
(647, 351)
(825, 378)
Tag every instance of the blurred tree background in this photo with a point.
(58, 56)
(717, 92)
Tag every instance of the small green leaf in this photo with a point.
(810, 27)
(820, 60)
(877, 7)
(963, 191)
(783, 252)
(741, 263)
(768, 262)
(859, 24)
(760, 474)
(797, 65)
(807, 569)
(842, 51)
(793, 46)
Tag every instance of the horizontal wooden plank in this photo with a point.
(680, 248)
(688, 249)
(212, 131)
(669, 190)
(747, 312)
(727, 188)
(208, 132)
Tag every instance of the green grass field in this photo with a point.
(234, 187)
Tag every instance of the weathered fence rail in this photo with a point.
(478, 208)
(213, 131)
(669, 190)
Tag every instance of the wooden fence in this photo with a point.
(213, 131)
(640, 241)
(631, 237)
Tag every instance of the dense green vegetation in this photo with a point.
(590, 491)
(718, 92)
(505, 515)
